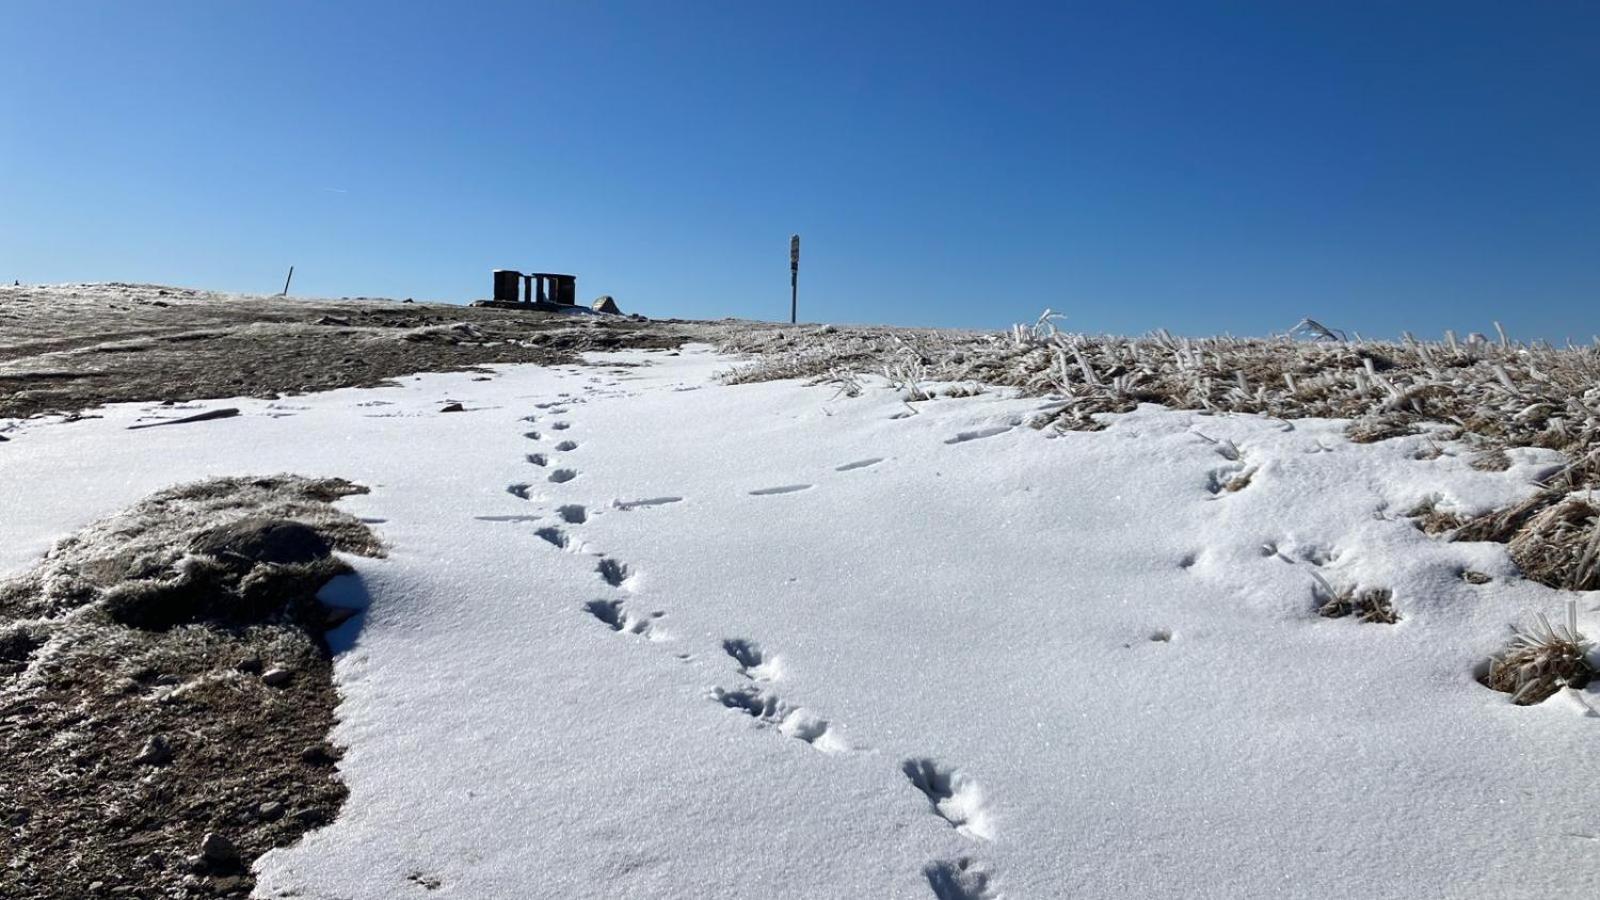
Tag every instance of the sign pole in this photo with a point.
(794, 276)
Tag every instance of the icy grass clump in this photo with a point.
(1500, 393)
(1542, 659)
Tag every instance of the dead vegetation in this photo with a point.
(1504, 394)
(1541, 659)
(166, 691)
(1374, 605)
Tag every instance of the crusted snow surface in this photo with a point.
(644, 635)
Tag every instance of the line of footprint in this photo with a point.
(951, 793)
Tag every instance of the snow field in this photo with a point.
(642, 635)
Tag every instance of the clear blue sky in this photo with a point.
(1199, 166)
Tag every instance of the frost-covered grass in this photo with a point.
(1500, 393)
(1491, 394)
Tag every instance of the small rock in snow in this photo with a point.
(453, 407)
(250, 665)
(271, 810)
(275, 676)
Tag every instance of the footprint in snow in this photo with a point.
(519, 489)
(781, 489)
(562, 476)
(532, 435)
(572, 514)
(538, 459)
(566, 446)
(615, 614)
(560, 426)
(553, 535)
(961, 879)
(767, 710)
(612, 572)
(753, 663)
(954, 797)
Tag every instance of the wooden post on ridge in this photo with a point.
(794, 276)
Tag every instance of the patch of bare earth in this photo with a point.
(166, 691)
(65, 349)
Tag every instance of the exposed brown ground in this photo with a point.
(67, 349)
(164, 676)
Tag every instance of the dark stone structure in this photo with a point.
(535, 288)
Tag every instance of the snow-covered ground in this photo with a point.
(644, 635)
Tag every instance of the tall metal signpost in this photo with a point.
(794, 276)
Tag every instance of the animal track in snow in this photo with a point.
(979, 434)
(520, 489)
(858, 464)
(566, 446)
(612, 572)
(562, 476)
(781, 489)
(961, 879)
(539, 459)
(626, 505)
(615, 614)
(560, 426)
(572, 514)
(554, 535)
(954, 797)
(767, 709)
(753, 663)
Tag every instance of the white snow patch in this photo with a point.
(1076, 665)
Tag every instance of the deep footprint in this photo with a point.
(562, 476)
(954, 797)
(613, 572)
(519, 490)
(554, 535)
(538, 459)
(572, 514)
(962, 879)
(753, 663)
(767, 709)
(615, 615)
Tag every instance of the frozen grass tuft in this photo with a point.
(1542, 659)
(1367, 605)
(1510, 394)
